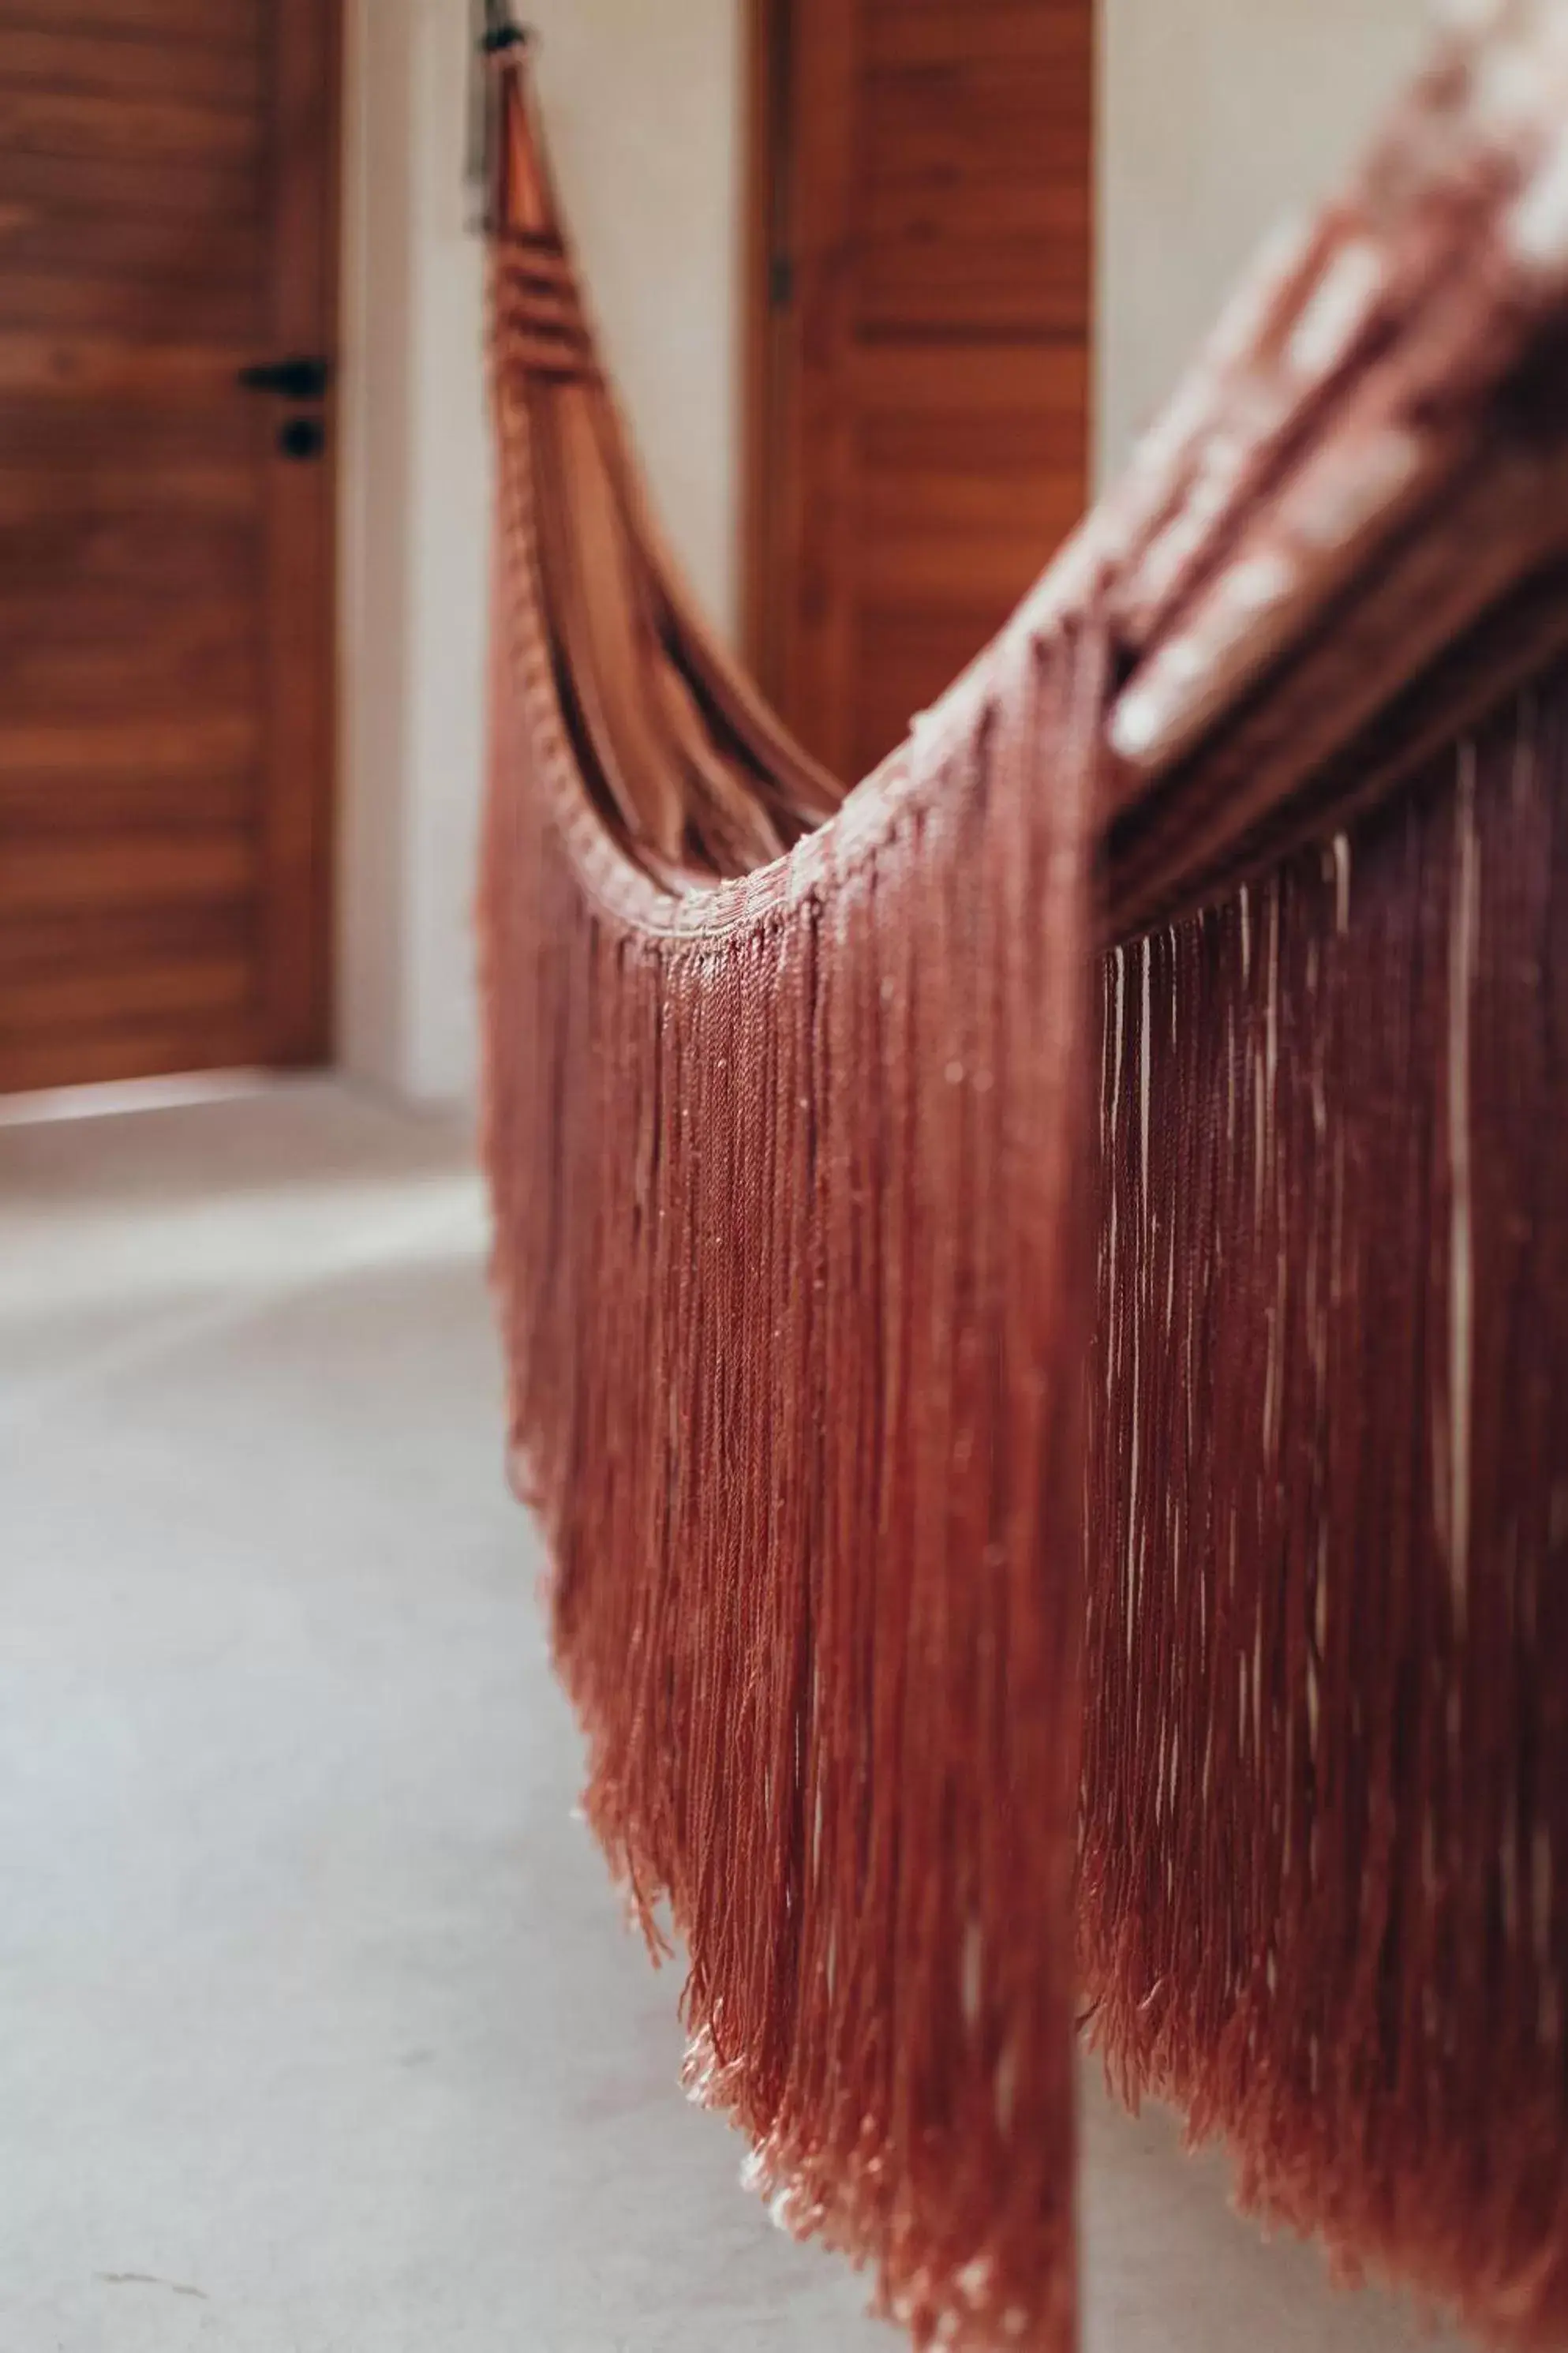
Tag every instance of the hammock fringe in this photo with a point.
(1325, 1772)
(792, 1287)
(1035, 1294)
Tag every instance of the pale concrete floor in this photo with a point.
(319, 2028)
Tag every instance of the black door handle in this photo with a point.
(290, 379)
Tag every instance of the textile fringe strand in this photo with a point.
(793, 1271)
(1325, 1790)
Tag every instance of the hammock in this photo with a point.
(1036, 1291)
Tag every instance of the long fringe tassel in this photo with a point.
(1325, 1795)
(794, 1272)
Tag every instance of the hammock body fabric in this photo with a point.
(1036, 1294)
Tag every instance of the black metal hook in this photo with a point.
(501, 30)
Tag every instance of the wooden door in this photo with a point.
(166, 220)
(918, 387)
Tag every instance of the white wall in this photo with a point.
(1216, 119)
(642, 104)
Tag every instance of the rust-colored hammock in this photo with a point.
(1037, 1291)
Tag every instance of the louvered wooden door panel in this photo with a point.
(919, 376)
(166, 218)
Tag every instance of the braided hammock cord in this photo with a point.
(1036, 1290)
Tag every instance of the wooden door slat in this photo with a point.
(166, 26)
(140, 868)
(189, 556)
(42, 432)
(41, 54)
(47, 944)
(143, 1050)
(96, 488)
(55, 802)
(42, 299)
(184, 987)
(193, 191)
(106, 368)
(172, 745)
(137, 673)
(116, 128)
(950, 31)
